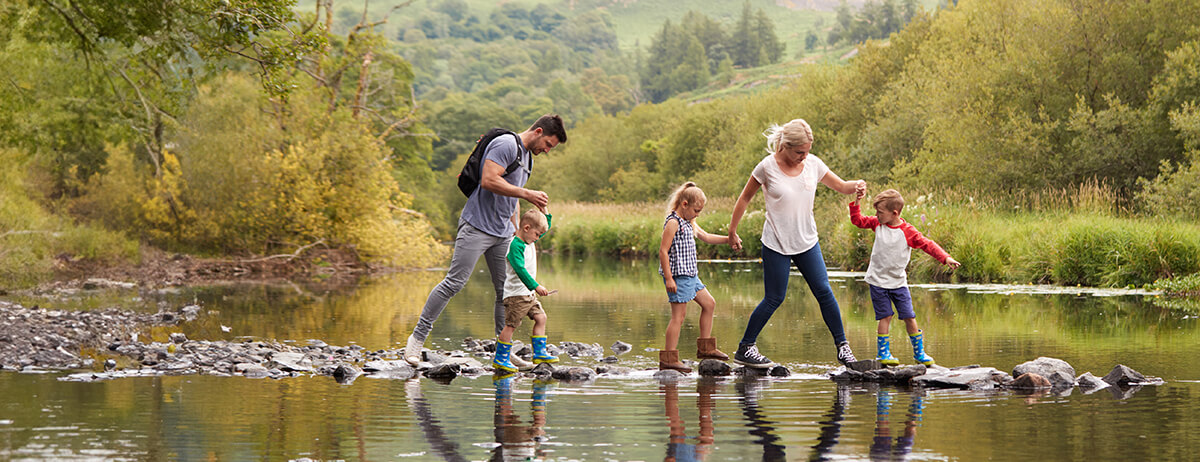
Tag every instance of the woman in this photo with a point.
(788, 177)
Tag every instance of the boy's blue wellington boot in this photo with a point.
(501, 362)
(918, 343)
(885, 351)
(540, 355)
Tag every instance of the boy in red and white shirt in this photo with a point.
(887, 273)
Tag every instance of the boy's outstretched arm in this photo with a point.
(918, 241)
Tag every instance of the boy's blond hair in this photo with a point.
(889, 200)
(535, 219)
(686, 192)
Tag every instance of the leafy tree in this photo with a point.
(610, 92)
(770, 48)
(588, 32)
(692, 71)
(711, 35)
(148, 55)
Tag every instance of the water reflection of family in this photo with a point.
(883, 447)
(679, 446)
(518, 441)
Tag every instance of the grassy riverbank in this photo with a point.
(1070, 238)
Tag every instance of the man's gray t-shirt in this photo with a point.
(490, 212)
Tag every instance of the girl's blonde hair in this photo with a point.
(794, 133)
(686, 192)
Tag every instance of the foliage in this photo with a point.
(316, 177)
(959, 100)
(874, 20)
(32, 238)
(1064, 239)
(684, 57)
(197, 156)
(1177, 90)
(1184, 285)
(141, 60)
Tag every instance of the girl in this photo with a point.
(677, 264)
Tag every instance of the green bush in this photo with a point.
(1186, 285)
(31, 238)
(1052, 243)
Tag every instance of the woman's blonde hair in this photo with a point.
(686, 192)
(794, 133)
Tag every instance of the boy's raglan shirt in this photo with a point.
(892, 249)
(521, 271)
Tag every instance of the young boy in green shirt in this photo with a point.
(521, 291)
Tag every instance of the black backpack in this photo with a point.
(468, 178)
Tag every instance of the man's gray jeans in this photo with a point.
(468, 246)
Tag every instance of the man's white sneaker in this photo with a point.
(412, 350)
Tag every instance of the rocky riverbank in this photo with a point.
(56, 339)
(110, 344)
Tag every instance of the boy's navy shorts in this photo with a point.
(883, 299)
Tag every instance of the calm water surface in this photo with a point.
(801, 417)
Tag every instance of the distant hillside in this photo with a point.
(636, 20)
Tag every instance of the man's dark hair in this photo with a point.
(551, 124)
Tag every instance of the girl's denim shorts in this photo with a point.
(686, 288)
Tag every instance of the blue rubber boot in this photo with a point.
(539, 350)
(885, 351)
(501, 362)
(918, 343)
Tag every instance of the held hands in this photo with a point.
(539, 199)
(734, 241)
(952, 263)
(860, 190)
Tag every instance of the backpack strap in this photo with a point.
(516, 163)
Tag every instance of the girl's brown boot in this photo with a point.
(706, 348)
(669, 359)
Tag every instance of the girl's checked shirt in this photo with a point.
(682, 254)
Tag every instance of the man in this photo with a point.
(488, 222)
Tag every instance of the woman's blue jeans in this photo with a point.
(776, 267)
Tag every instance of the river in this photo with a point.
(804, 416)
